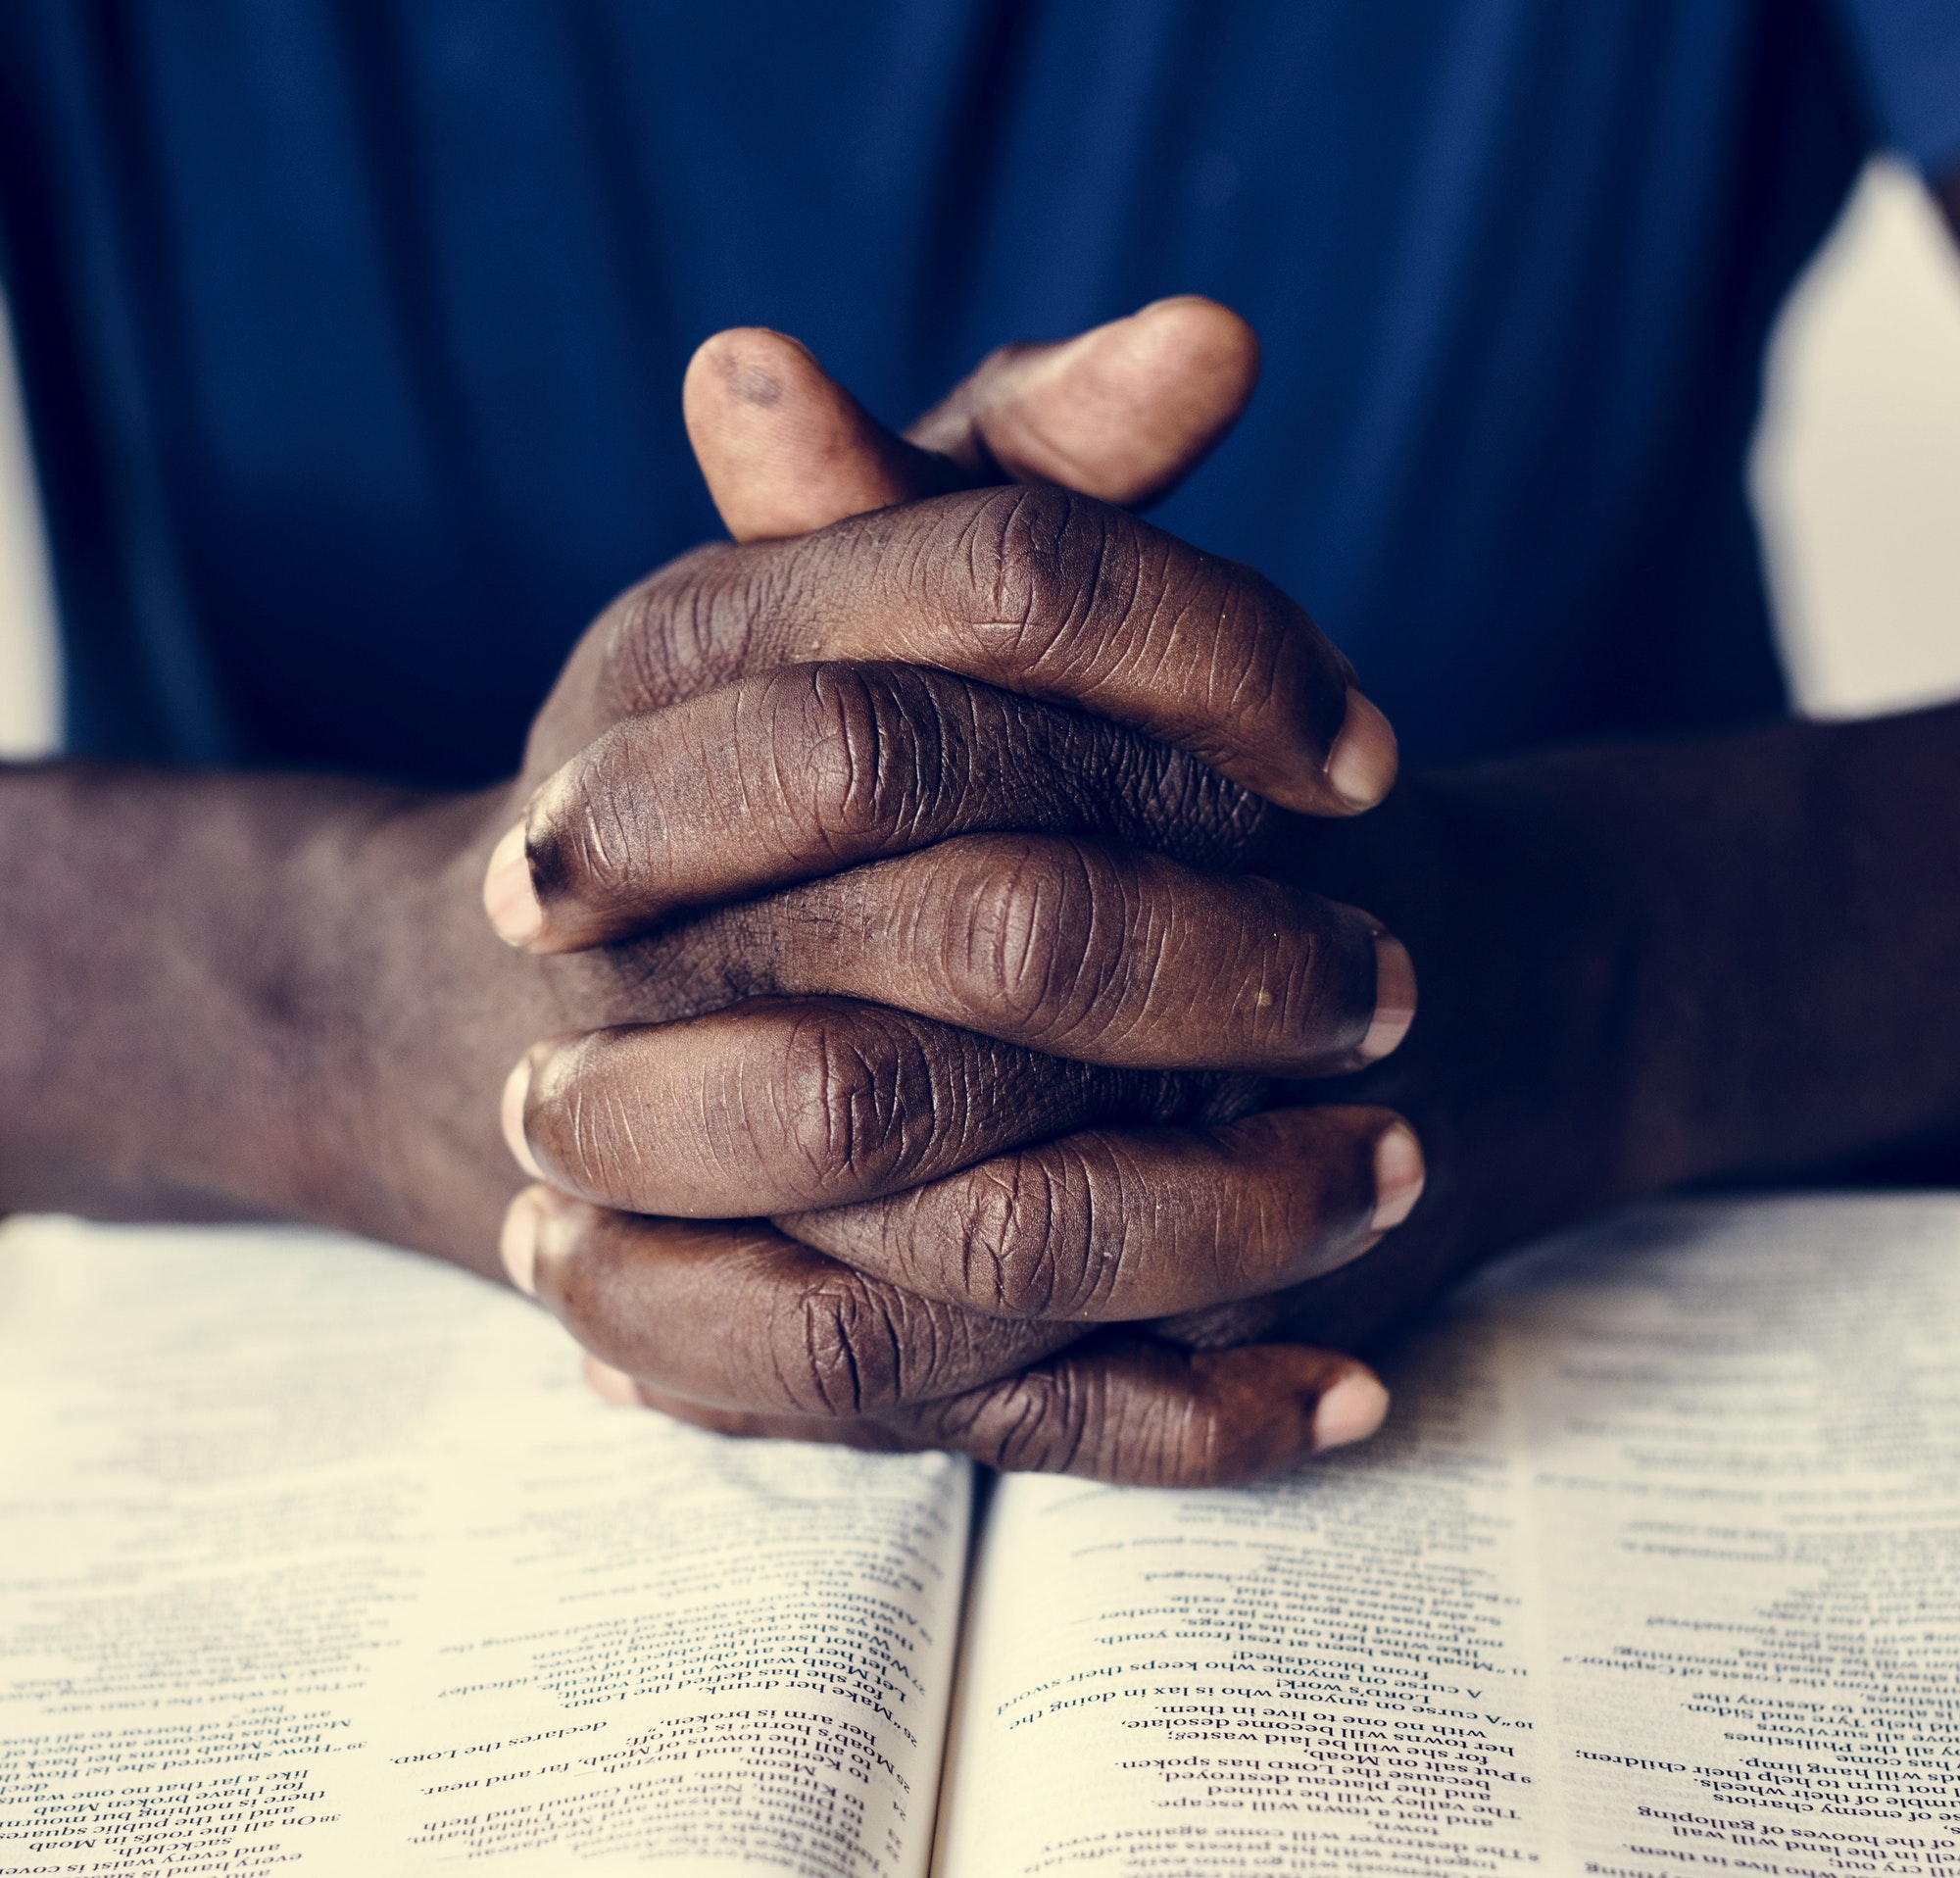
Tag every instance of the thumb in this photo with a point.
(1122, 413)
(784, 448)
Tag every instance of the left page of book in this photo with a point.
(317, 1555)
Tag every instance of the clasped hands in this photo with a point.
(925, 825)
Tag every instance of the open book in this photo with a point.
(316, 1555)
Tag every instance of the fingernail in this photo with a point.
(1398, 1177)
(523, 1223)
(508, 897)
(1394, 998)
(516, 1091)
(1361, 765)
(618, 1388)
(1351, 1411)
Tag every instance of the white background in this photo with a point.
(1856, 478)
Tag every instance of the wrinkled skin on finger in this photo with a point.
(739, 1329)
(1131, 1411)
(776, 1104)
(1131, 1224)
(1035, 591)
(1096, 955)
(802, 771)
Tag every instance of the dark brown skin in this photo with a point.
(297, 1006)
(1012, 939)
(1641, 966)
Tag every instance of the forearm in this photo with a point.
(1777, 965)
(206, 1004)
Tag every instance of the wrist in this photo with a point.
(224, 996)
(413, 1013)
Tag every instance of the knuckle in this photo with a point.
(1043, 564)
(853, 1100)
(850, 1346)
(1136, 1429)
(1020, 542)
(692, 626)
(1179, 806)
(973, 547)
(841, 1349)
(1019, 923)
(854, 755)
(660, 640)
(1027, 1246)
(1040, 1420)
(1035, 946)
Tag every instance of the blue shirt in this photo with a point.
(353, 331)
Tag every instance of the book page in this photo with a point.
(316, 1556)
(1656, 1570)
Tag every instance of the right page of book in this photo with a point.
(1656, 1570)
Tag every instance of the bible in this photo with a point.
(316, 1555)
